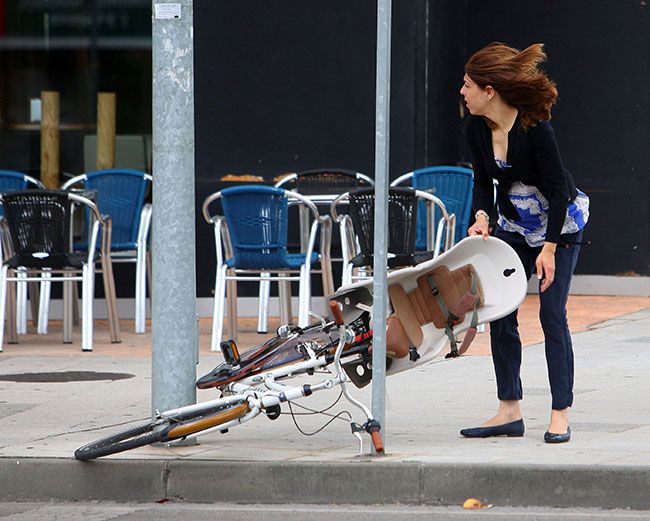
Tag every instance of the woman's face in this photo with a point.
(476, 98)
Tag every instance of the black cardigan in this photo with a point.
(535, 160)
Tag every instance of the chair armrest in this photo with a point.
(206, 206)
(340, 199)
(401, 179)
(222, 242)
(78, 179)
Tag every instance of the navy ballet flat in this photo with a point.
(551, 437)
(513, 430)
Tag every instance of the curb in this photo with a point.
(366, 481)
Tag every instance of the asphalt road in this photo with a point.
(105, 511)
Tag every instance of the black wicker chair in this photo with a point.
(358, 230)
(37, 224)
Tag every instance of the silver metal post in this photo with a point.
(174, 331)
(382, 140)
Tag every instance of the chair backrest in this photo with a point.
(39, 223)
(13, 180)
(325, 181)
(453, 186)
(402, 218)
(257, 225)
(120, 193)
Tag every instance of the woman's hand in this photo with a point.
(545, 265)
(480, 226)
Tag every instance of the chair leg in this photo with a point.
(44, 304)
(140, 291)
(11, 312)
(219, 307)
(263, 308)
(305, 296)
(67, 310)
(21, 303)
(87, 297)
(149, 276)
(34, 300)
(75, 305)
(110, 297)
(3, 301)
(284, 293)
(232, 308)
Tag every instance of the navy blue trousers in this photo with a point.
(504, 334)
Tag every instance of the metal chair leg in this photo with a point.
(263, 308)
(88, 297)
(110, 297)
(21, 303)
(67, 311)
(3, 301)
(231, 297)
(304, 297)
(219, 307)
(140, 291)
(44, 304)
(284, 292)
(10, 311)
(34, 299)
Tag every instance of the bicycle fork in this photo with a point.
(372, 427)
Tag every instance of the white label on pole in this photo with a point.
(167, 11)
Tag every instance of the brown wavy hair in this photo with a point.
(516, 76)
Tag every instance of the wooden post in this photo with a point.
(50, 139)
(105, 130)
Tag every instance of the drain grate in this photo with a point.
(64, 376)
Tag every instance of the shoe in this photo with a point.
(513, 430)
(551, 437)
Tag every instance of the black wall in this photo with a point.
(599, 55)
(289, 85)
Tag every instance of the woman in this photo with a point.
(541, 215)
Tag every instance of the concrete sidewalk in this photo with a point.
(606, 464)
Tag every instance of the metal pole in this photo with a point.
(382, 140)
(174, 331)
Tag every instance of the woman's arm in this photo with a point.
(483, 192)
(549, 166)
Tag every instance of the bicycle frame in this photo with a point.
(262, 392)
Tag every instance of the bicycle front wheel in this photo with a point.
(176, 428)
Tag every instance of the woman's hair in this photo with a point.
(515, 75)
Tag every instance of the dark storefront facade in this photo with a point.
(289, 85)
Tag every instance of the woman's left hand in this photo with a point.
(545, 265)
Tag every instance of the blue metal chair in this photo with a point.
(121, 193)
(11, 180)
(321, 186)
(453, 186)
(251, 244)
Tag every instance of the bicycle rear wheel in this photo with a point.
(125, 440)
(170, 429)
